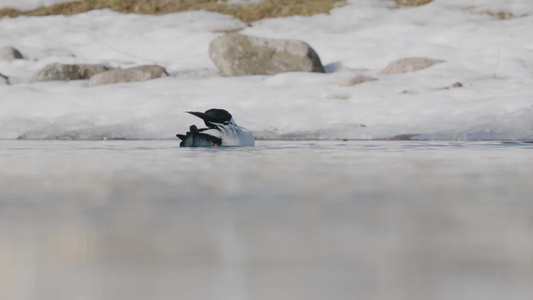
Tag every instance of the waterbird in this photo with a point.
(221, 131)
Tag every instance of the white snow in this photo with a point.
(492, 58)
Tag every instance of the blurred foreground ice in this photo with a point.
(131, 220)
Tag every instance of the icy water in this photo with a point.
(284, 220)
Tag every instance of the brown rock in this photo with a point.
(141, 73)
(455, 85)
(67, 72)
(239, 55)
(403, 137)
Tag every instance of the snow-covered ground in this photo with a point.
(491, 58)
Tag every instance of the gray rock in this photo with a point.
(238, 55)
(67, 72)
(410, 64)
(141, 73)
(3, 80)
(9, 53)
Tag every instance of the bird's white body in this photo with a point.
(232, 135)
(221, 131)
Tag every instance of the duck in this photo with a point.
(221, 131)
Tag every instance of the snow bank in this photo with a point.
(491, 58)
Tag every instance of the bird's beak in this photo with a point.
(206, 118)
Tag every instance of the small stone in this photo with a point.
(10, 53)
(457, 85)
(403, 137)
(356, 80)
(67, 72)
(240, 55)
(141, 73)
(411, 64)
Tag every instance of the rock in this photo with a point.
(239, 55)
(455, 85)
(411, 64)
(356, 80)
(403, 137)
(10, 53)
(3, 80)
(141, 73)
(67, 72)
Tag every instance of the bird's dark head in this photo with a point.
(214, 116)
(220, 114)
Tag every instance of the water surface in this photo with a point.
(282, 220)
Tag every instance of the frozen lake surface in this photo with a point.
(283, 220)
